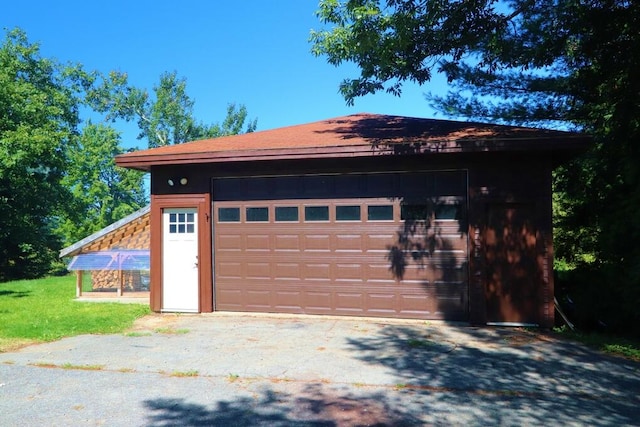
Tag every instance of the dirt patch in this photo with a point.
(319, 404)
(13, 344)
(152, 322)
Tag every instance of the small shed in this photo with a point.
(361, 215)
(116, 257)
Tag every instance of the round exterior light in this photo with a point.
(170, 182)
(183, 181)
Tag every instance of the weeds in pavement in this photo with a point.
(172, 331)
(184, 374)
(71, 366)
(137, 334)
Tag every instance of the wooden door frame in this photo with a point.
(202, 202)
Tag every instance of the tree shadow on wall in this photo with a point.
(420, 238)
(515, 263)
(315, 405)
(431, 248)
(510, 259)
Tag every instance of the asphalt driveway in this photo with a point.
(246, 370)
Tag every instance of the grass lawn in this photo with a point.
(618, 346)
(45, 310)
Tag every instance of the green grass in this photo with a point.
(137, 334)
(183, 374)
(71, 366)
(416, 343)
(45, 310)
(172, 331)
(624, 347)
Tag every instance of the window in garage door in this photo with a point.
(335, 255)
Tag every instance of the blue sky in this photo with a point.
(251, 52)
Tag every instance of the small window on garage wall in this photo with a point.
(286, 213)
(348, 213)
(257, 214)
(447, 211)
(424, 211)
(416, 212)
(229, 214)
(380, 212)
(316, 213)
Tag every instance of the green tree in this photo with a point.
(102, 193)
(166, 116)
(38, 119)
(568, 64)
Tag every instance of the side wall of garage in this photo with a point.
(511, 241)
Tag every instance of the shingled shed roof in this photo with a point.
(131, 232)
(357, 135)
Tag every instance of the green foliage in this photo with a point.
(38, 119)
(165, 118)
(58, 179)
(618, 346)
(569, 64)
(45, 310)
(102, 193)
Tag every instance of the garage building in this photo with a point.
(362, 215)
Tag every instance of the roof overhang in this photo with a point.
(77, 247)
(361, 135)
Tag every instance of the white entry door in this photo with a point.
(180, 260)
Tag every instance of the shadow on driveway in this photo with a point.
(312, 406)
(445, 375)
(316, 371)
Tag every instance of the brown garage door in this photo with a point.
(364, 245)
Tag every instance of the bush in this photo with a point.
(595, 299)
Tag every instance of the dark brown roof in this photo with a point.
(357, 135)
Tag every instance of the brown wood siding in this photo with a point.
(390, 268)
(134, 235)
(497, 264)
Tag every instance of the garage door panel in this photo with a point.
(230, 242)
(288, 300)
(287, 242)
(414, 303)
(258, 270)
(317, 272)
(318, 301)
(287, 271)
(230, 299)
(317, 242)
(426, 276)
(230, 270)
(382, 302)
(392, 301)
(380, 242)
(326, 265)
(258, 298)
(348, 272)
(258, 242)
(352, 302)
(348, 243)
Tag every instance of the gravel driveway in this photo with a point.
(278, 370)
